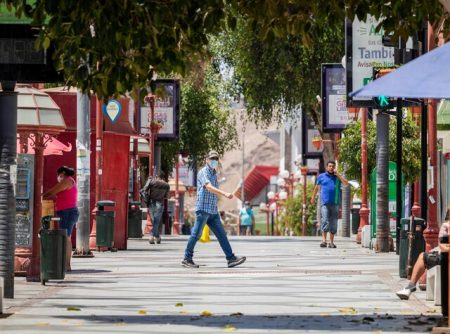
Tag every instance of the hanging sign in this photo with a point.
(112, 109)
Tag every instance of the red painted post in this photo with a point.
(176, 223)
(364, 211)
(33, 272)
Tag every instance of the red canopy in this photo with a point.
(54, 147)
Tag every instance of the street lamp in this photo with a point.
(38, 118)
(268, 209)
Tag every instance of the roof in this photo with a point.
(256, 180)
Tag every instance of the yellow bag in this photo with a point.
(205, 234)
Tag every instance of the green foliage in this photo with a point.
(292, 211)
(276, 77)
(205, 123)
(113, 47)
(350, 148)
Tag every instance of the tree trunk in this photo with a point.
(382, 205)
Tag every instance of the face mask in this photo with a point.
(60, 178)
(213, 164)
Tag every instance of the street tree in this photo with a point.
(206, 120)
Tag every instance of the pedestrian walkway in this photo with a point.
(287, 285)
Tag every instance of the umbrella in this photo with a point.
(53, 147)
(427, 76)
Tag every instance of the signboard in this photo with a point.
(334, 106)
(392, 198)
(364, 50)
(167, 110)
(24, 200)
(19, 59)
(309, 131)
(112, 109)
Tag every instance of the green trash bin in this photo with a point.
(412, 243)
(134, 219)
(53, 251)
(105, 224)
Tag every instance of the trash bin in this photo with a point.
(412, 243)
(134, 220)
(105, 224)
(355, 216)
(53, 250)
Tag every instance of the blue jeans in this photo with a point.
(68, 219)
(329, 216)
(156, 210)
(215, 225)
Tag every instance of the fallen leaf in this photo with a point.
(179, 305)
(324, 314)
(377, 332)
(142, 312)
(73, 308)
(121, 323)
(183, 312)
(229, 328)
(206, 314)
(42, 324)
(432, 310)
(348, 310)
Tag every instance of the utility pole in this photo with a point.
(83, 145)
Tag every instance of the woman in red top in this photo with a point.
(66, 194)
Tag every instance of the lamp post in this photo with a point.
(39, 120)
(176, 223)
(274, 199)
(304, 173)
(268, 210)
(364, 211)
(416, 210)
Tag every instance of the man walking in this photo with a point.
(154, 193)
(207, 213)
(329, 184)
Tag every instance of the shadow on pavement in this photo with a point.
(337, 323)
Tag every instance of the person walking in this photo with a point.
(66, 194)
(246, 220)
(154, 193)
(329, 185)
(206, 212)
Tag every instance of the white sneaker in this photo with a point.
(405, 293)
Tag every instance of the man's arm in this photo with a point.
(443, 248)
(342, 179)
(217, 191)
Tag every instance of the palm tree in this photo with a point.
(382, 204)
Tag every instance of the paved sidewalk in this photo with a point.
(287, 285)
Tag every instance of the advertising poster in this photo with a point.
(334, 105)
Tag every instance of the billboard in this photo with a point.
(167, 110)
(334, 106)
(309, 131)
(364, 51)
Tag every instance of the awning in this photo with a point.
(54, 147)
(256, 180)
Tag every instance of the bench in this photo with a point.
(434, 285)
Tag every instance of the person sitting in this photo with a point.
(426, 260)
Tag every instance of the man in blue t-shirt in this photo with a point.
(329, 184)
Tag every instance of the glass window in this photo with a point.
(25, 101)
(27, 117)
(51, 117)
(44, 102)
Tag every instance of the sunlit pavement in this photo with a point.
(287, 285)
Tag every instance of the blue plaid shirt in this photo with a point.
(206, 201)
